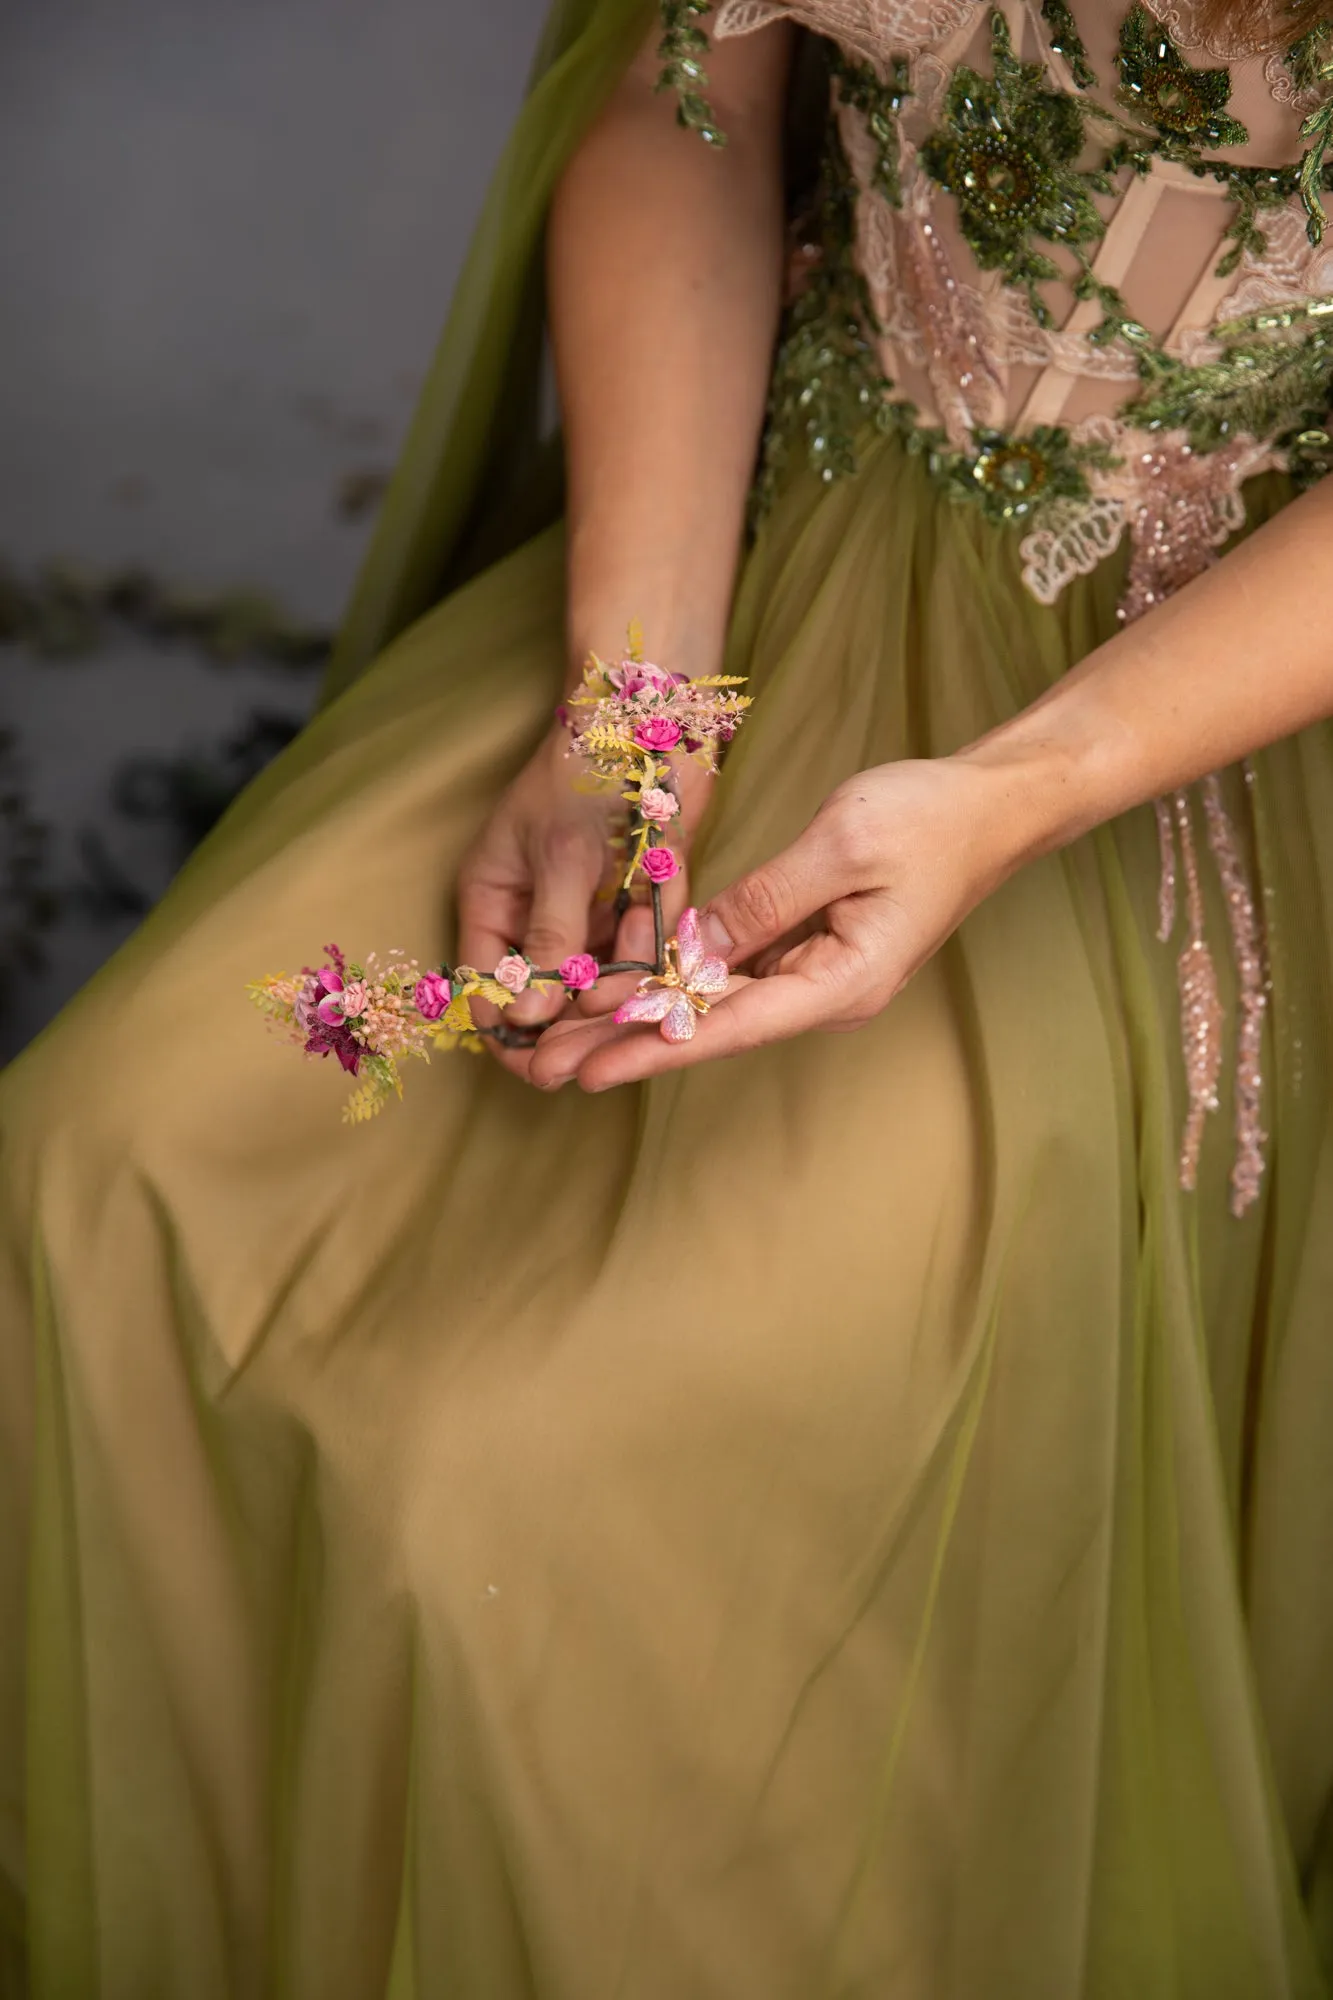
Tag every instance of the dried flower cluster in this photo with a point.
(373, 1016)
(629, 719)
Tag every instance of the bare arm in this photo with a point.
(665, 275)
(1241, 658)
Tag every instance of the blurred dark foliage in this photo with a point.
(28, 904)
(186, 795)
(65, 614)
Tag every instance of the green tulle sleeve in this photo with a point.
(474, 479)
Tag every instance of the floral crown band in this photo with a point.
(627, 720)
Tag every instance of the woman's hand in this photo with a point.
(833, 928)
(542, 877)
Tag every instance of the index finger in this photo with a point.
(748, 1017)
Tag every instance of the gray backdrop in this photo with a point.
(228, 241)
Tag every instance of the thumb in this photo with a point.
(771, 901)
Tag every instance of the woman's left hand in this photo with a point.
(826, 933)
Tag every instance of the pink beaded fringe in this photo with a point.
(1252, 972)
(1201, 1014)
(1200, 1005)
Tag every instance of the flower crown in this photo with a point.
(626, 721)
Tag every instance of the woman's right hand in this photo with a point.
(541, 878)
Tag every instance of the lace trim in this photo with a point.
(1075, 536)
(1177, 505)
(1181, 19)
(871, 29)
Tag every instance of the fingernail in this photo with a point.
(714, 933)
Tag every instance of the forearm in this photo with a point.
(1240, 658)
(665, 275)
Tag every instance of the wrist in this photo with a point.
(1061, 767)
(1040, 789)
(672, 640)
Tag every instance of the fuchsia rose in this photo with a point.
(659, 864)
(658, 806)
(431, 995)
(579, 972)
(659, 732)
(513, 972)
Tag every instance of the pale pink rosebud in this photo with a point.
(513, 972)
(353, 998)
(658, 806)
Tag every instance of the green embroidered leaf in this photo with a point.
(879, 101)
(1007, 149)
(1067, 42)
(683, 50)
(1184, 106)
(1274, 375)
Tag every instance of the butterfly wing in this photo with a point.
(702, 973)
(678, 1025)
(689, 944)
(710, 977)
(650, 1003)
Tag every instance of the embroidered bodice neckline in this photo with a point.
(1070, 264)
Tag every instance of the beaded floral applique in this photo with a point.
(1007, 150)
(1184, 107)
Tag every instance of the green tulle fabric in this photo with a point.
(840, 1524)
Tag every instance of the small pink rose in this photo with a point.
(658, 806)
(578, 972)
(659, 864)
(353, 999)
(513, 972)
(659, 732)
(431, 995)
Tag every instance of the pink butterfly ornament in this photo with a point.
(693, 979)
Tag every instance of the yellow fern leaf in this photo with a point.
(457, 1016)
(365, 1102)
(491, 989)
(636, 641)
(607, 742)
(268, 1002)
(446, 1041)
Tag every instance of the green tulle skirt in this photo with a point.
(837, 1523)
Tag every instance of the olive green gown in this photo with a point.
(837, 1523)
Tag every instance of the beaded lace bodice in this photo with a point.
(1074, 255)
